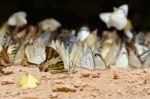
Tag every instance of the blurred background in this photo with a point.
(75, 13)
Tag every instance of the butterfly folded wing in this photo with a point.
(99, 62)
(105, 17)
(35, 55)
(147, 61)
(111, 56)
(122, 61)
(53, 62)
(134, 60)
(87, 60)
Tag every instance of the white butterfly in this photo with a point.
(139, 43)
(87, 60)
(91, 60)
(134, 61)
(50, 24)
(99, 61)
(147, 60)
(83, 33)
(35, 54)
(117, 18)
(122, 59)
(144, 55)
(142, 61)
(18, 19)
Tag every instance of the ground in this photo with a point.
(83, 84)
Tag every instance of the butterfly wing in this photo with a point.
(99, 61)
(124, 9)
(105, 17)
(11, 21)
(111, 56)
(133, 60)
(28, 81)
(122, 59)
(4, 56)
(147, 61)
(12, 51)
(63, 52)
(46, 37)
(35, 55)
(118, 20)
(87, 60)
(18, 18)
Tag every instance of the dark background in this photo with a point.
(75, 13)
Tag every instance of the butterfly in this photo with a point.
(117, 18)
(75, 55)
(49, 25)
(4, 37)
(53, 61)
(91, 60)
(83, 33)
(134, 61)
(122, 60)
(18, 19)
(4, 56)
(28, 81)
(35, 54)
(147, 60)
(4, 59)
(91, 39)
(105, 48)
(63, 52)
(127, 30)
(139, 43)
(111, 55)
(12, 51)
(87, 60)
(46, 37)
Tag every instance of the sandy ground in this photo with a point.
(83, 84)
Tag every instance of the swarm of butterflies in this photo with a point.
(57, 50)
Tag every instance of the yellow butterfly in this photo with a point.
(105, 48)
(111, 55)
(28, 81)
(91, 39)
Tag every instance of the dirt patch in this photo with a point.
(99, 84)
